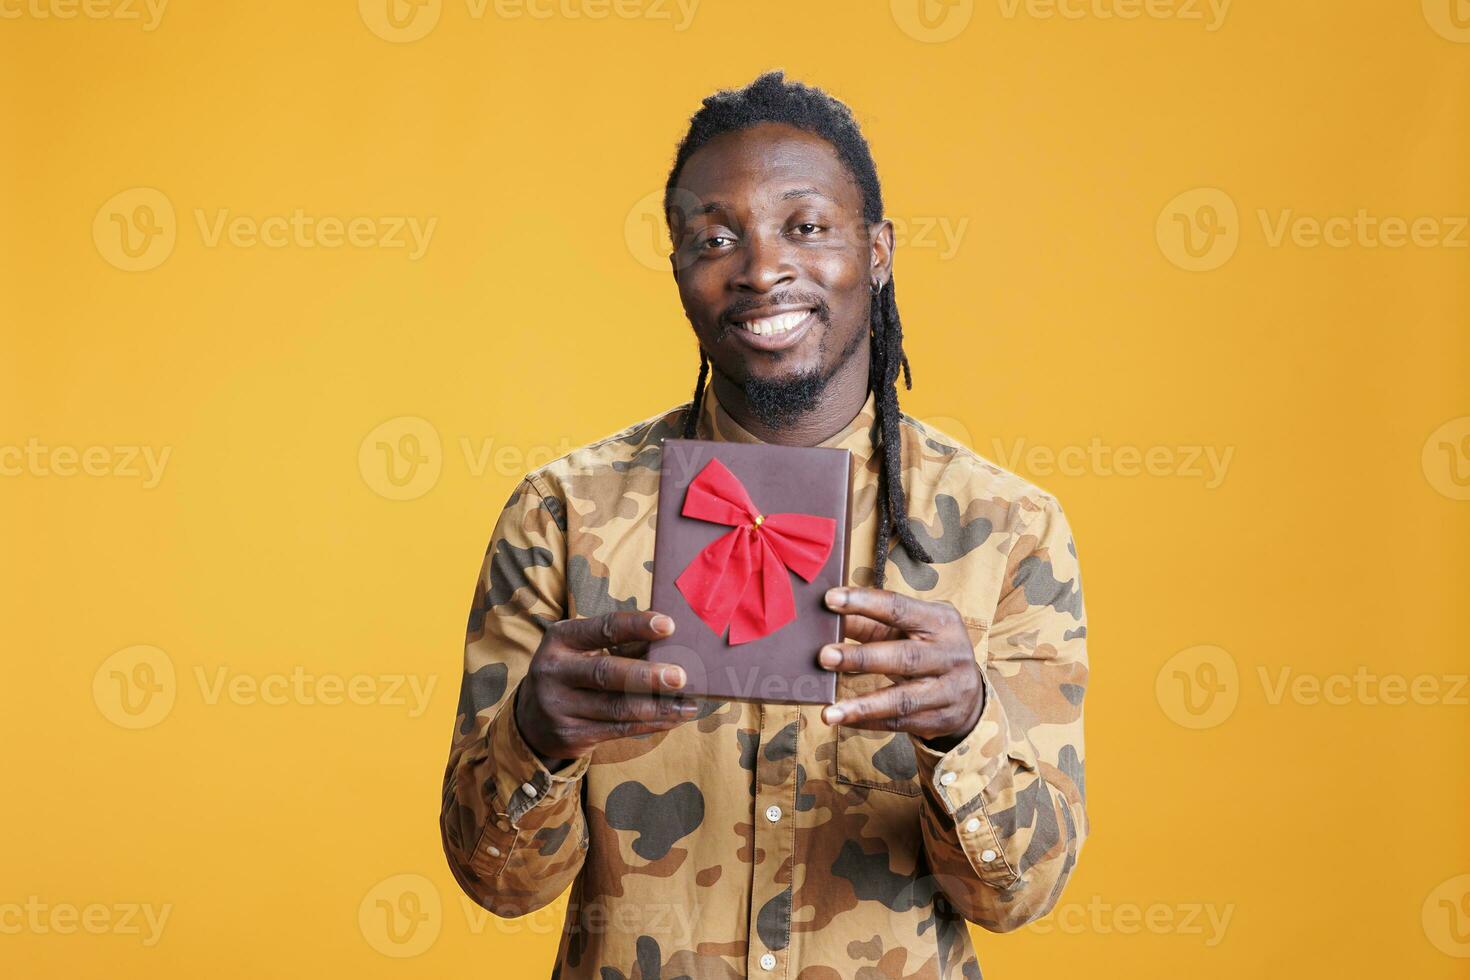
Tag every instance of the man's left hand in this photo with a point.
(937, 692)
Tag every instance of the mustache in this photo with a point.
(820, 309)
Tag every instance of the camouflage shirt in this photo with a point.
(755, 840)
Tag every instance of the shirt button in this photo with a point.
(773, 813)
(987, 855)
(768, 962)
(946, 779)
(528, 789)
(972, 825)
(494, 851)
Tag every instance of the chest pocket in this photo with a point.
(876, 759)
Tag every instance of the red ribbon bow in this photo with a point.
(739, 580)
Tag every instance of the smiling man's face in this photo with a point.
(774, 265)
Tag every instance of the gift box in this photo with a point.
(750, 536)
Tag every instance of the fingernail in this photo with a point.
(661, 623)
(831, 714)
(830, 657)
(673, 676)
(836, 598)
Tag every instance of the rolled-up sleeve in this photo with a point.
(514, 831)
(1005, 817)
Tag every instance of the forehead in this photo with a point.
(746, 165)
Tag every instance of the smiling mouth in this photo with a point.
(776, 325)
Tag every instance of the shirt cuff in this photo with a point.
(958, 780)
(522, 781)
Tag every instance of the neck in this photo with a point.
(842, 398)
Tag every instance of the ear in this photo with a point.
(880, 266)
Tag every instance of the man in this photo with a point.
(722, 839)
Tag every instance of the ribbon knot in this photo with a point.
(739, 580)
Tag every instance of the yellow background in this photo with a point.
(1333, 836)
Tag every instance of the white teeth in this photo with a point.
(780, 323)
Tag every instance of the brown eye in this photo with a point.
(808, 228)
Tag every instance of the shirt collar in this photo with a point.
(856, 436)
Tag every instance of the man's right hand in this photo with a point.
(586, 684)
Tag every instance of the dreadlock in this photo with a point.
(772, 99)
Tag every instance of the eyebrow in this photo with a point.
(714, 206)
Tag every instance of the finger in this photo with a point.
(636, 649)
(905, 658)
(894, 701)
(921, 723)
(607, 672)
(866, 630)
(908, 614)
(611, 629)
(608, 706)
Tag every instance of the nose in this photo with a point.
(767, 264)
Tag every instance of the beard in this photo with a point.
(781, 402)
